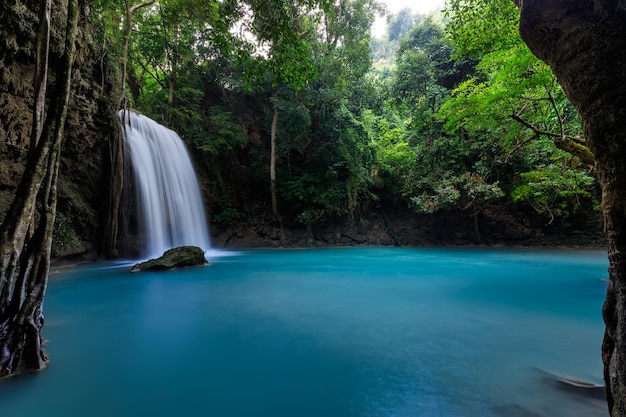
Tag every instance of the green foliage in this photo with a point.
(510, 83)
(417, 158)
(223, 133)
(425, 73)
(477, 27)
(335, 178)
(229, 217)
(466, 192)
(323, 146)
(316, 197)
(556, 190)
(516, 103)
(393, 152)
(457, 114)
(281, 50)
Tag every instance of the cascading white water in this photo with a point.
(171, 212)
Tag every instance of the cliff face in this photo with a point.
(83, 199)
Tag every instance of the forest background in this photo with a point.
(307, 131)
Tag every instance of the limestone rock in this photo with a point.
(181, 257)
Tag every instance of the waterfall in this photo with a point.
(170, 206)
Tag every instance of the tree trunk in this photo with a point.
(585, 44)
(273, 164)
(26, 258)
(479, 238)
(275, 212)
(41, 72)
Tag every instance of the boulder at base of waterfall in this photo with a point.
(181, 257)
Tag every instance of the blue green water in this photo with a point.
(362, 332)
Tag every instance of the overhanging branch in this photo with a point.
(572, 144)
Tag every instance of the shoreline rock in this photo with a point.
(175, 258)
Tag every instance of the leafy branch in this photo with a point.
(572, 144)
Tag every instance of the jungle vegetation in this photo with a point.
(297, 112)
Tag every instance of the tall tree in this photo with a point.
(26, 255)
(282, 58)
(585, 45)
(328, 153)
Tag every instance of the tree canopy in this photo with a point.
(448, 112)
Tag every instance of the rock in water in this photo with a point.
(181, 257)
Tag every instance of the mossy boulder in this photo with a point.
(181, 257)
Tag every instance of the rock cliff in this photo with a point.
(91, 129)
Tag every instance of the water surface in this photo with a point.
(364, 332)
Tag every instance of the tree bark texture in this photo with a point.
(41, 71)
(26, 257)
(585, 44)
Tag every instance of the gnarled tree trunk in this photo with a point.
(25, 256)
(585, 44)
